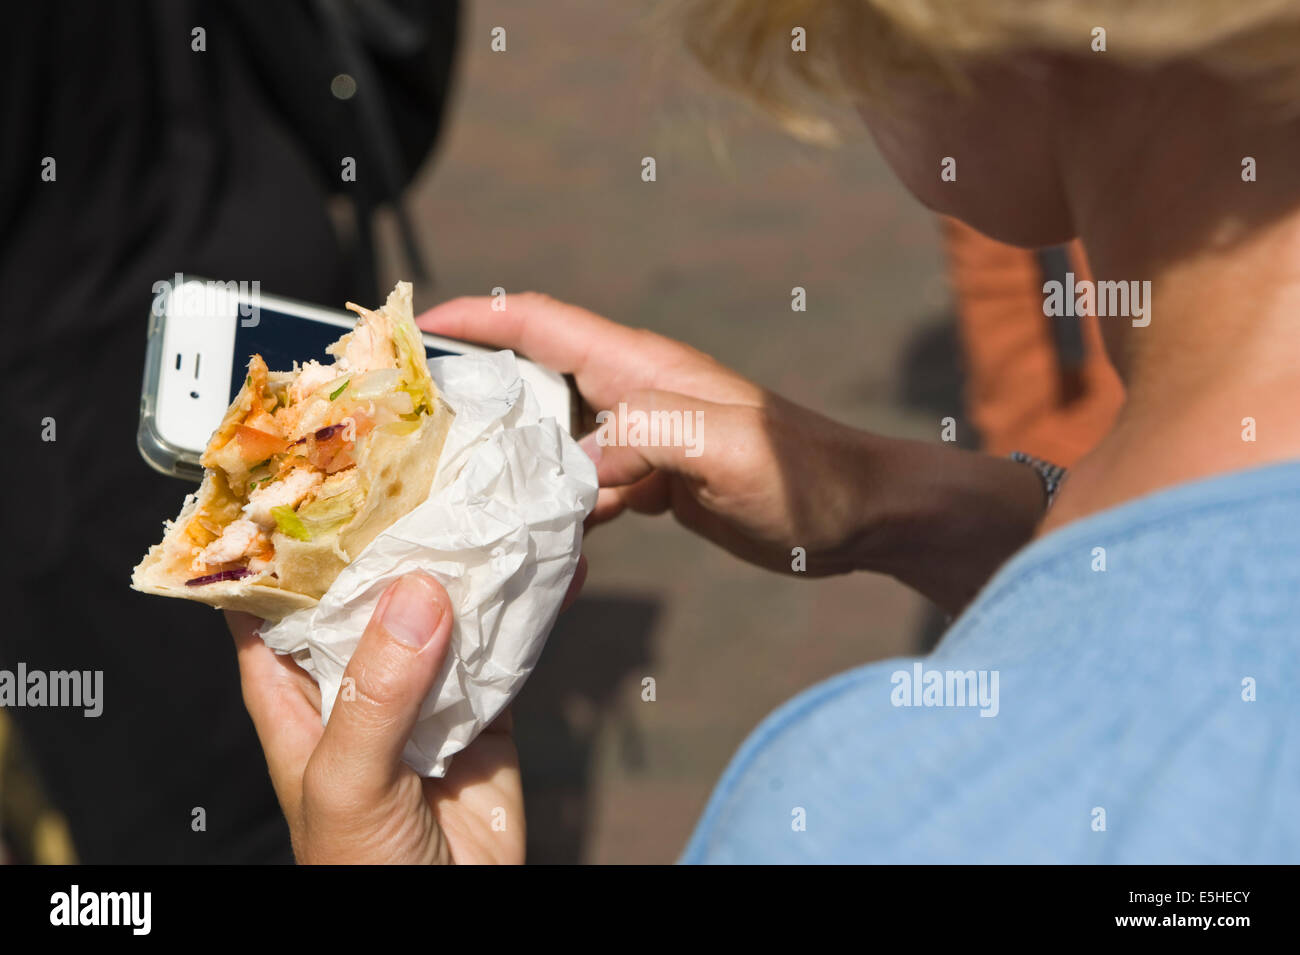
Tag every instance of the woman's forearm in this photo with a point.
(942, 520)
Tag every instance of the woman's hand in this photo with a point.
(344, 790)
(763, 476)
(751, 472)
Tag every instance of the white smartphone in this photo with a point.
(201, 335)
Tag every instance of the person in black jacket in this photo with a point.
(190, 137)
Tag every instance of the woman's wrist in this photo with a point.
(939, 519)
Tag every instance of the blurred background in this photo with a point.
(534, 182)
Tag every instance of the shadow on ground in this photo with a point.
(573, 695)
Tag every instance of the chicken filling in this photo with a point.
(285, 457)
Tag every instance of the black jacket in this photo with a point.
(220, 163)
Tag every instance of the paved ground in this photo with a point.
(538, 186)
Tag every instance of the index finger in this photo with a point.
(559, 336)
(284, 704)
(606, 358)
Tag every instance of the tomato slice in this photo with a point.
(329, 450)
(255, 445)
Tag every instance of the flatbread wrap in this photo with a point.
(307, 467)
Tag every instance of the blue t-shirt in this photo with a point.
(1140, 672)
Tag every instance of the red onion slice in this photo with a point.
(236, 574)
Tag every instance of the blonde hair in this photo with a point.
(853, 45)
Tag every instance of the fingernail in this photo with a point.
(591, 446)
(413, 611)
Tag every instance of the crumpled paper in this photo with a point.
(501, 530)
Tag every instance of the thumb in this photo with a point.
(394, 666)
(648, 431)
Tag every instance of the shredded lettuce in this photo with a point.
(289, 523)
(403, 427)
(326, 513)
(411, 363)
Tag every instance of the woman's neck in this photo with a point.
(1213, 381)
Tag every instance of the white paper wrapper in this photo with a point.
(501, 530)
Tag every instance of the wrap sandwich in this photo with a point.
(306, 468)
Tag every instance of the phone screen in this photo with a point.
(199, 353)
(282, 338)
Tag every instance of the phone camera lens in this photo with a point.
(194, 394)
